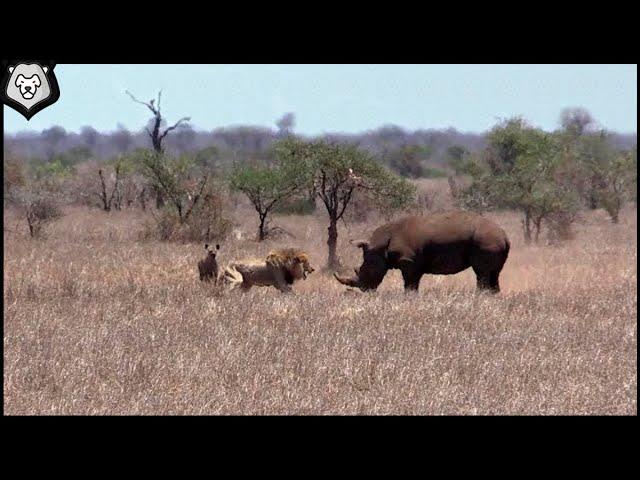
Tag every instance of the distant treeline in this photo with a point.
(412, 153)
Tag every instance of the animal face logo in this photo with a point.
(29, 87)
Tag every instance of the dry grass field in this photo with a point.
(98, 322)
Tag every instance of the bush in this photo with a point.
(559, 226)
(40, 211)
(207, 222)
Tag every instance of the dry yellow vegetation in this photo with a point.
(98, 322)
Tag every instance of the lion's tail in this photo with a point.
(231, 276)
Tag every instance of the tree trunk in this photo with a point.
(262, 234)
(333, 263)
(537, 223)
(526, 226)
(143, 198)
(159, 199)
(106, 206)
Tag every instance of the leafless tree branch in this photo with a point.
(148, 105)
(173, 127)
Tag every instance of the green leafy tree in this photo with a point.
(335, 172)
(594, 154)
(409, 160)
(457, 159)
(520, 169)
(266, 187)
(618, 184)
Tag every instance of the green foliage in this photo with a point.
(520, 170)
(267, 187)
(208, 221)
(508, 141)
(51, 171)
(296, 206)
(409, 161)
(335, 171)
(457, 159)
(619, 184)
(208, 157)
(73, 156)
(181, 181)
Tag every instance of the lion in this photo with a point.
(280, 269)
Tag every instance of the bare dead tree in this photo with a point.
(156, 134)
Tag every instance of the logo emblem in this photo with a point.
(28, 87)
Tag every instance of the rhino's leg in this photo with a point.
(487, 267)
(494, 283)
(488, 281)
(411, 277)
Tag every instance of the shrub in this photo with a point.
(208, 222)
(560, 226)
(39, 210)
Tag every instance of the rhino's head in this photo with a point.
(372, 271)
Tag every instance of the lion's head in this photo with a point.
(294, 261)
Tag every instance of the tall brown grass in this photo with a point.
(98, 322)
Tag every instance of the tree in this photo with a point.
(266, 187)
(595, 156)
(122, 139)
(89, 137)
(52, 138)
(286, 124)
(456, 158)
(121, 168)
(576, 120)
(619, 178)
(208, 157)
(158, 134)
(178, 179)
(408, 160)
(183, 138)
(154, 131)
(521, 169)
(336, 171)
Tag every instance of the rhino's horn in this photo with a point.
(349, 282)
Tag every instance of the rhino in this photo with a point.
(441, 244)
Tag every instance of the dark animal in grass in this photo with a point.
(208, 267)
(441, 244)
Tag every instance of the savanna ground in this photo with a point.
(98, 322)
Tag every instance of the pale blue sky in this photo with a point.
(339, 98)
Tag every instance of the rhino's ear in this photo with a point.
(363, 244)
